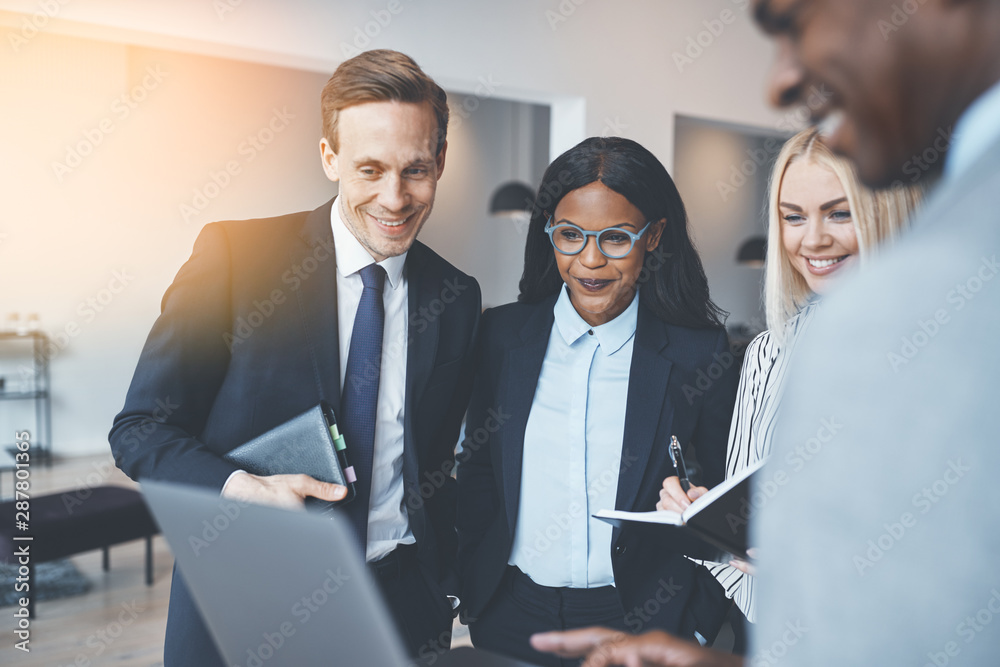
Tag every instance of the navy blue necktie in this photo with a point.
(360, 395)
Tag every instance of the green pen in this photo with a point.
(341, 447)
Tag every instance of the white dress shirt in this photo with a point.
(388, 524)
(572, 450)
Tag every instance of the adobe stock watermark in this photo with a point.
(417, 323)
(486, 87)
(364, 35)
(928, 159)
(759, 158)
(765, 490)
(36, 23)
(811, 448)
(225, 7)
(88, 310)
(474, 440)
(706, 378)
(959, 297)
(756, 159)
(704, 39)
(85, 487)
(773, 653)
(545, 199)
(138, 433)
(265, 307)
(213, 528)
(432, 650)
(967, 630)
(561, 13)
(302, 611)
(575, 513)
(121, 108)
(614, 127)
(100, 641)
(248, 149)
(923, 501)
(640, 615)
(899, 16)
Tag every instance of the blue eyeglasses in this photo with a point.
(613, 242)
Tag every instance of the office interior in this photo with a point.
(129, 126)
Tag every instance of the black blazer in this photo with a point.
(665, 398)
(248, 338)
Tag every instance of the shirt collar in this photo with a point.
(352, 256)
(611, 336)
(976, 130)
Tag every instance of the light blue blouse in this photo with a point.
(572, 450)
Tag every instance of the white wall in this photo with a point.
(482, 154)
(63, 236)
(722, 172)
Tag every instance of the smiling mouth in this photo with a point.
(824, 266)
(593, 285)
(389, 223)
(824, 263)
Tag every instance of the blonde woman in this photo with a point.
(821, 223)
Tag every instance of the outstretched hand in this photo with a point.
(605, 648)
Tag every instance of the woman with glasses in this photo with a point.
(613, 347)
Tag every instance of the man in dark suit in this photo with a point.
(878, 551)
(269, 317)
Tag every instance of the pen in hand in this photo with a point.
(677, 457)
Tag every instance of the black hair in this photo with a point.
(673, 281)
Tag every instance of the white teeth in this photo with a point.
(829, 125)
(823, 263)
(390, 223)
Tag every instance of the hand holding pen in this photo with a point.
(677, 492)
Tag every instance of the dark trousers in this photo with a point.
(422, 614)
(520, 608)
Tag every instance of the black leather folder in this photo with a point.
(302, 445)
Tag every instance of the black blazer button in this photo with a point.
(621, 549)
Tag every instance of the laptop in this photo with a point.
(281, 588)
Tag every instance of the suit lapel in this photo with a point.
(423, 331)
(647, 387)
(317, 299)
(522, 366)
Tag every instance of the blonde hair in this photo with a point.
(878, 216)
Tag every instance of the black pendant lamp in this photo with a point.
(514, 198)
(752, 252)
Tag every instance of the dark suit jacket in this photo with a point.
(248, 339)
(665, 398)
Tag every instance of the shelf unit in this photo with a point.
(34, 385)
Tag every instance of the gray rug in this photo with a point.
(55, 579)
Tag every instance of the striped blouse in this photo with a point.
(754, 418)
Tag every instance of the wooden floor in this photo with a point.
(87, 630)
(120, 622)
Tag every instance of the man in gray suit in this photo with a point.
(878, 548)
